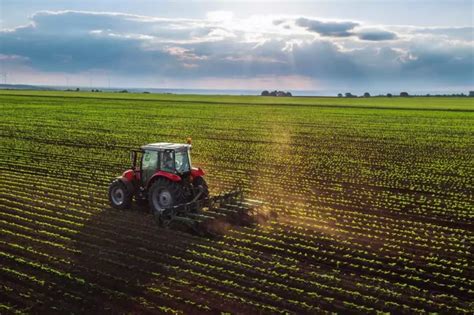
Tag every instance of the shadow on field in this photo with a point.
(122, 254)
(131, 265)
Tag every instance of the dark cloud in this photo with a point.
(48, 51)
(279, 21)
(81, 23)
(78, 41)
(333, 29)
(342, 29)
(452, 64)
(376, 35)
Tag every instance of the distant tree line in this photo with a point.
(78, 90)
(275, 93)
(405, 94)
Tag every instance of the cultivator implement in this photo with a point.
(213, 215)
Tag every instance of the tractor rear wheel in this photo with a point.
(164, 194)
(119, 195)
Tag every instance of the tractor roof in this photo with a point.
(165, 146)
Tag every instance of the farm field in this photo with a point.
(374, 199)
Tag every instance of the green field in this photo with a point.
(374, 198)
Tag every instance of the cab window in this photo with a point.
(182, 161)
(167, 161)
(149, 164)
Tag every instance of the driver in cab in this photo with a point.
(167, 163)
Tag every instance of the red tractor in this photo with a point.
(164, 177)
(162, 174)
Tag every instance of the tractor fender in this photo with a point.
(127, 183)
(128, 175)
(197, 172)
(172, 177)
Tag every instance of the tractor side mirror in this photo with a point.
(133, 159)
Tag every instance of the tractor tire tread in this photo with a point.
(127, 202)
(174, 188)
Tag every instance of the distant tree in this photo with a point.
(471, 93)
(275, 93)
(348, 94)
(404, 94)
(366, 94)
(339, 95)
(389, 95)
(77, 89)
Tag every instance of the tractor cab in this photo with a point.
(170, 158)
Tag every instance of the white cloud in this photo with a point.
(13, 58)
(220, 16)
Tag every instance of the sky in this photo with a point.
(374, 46)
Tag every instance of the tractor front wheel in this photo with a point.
(119, 195)
(164, 194)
